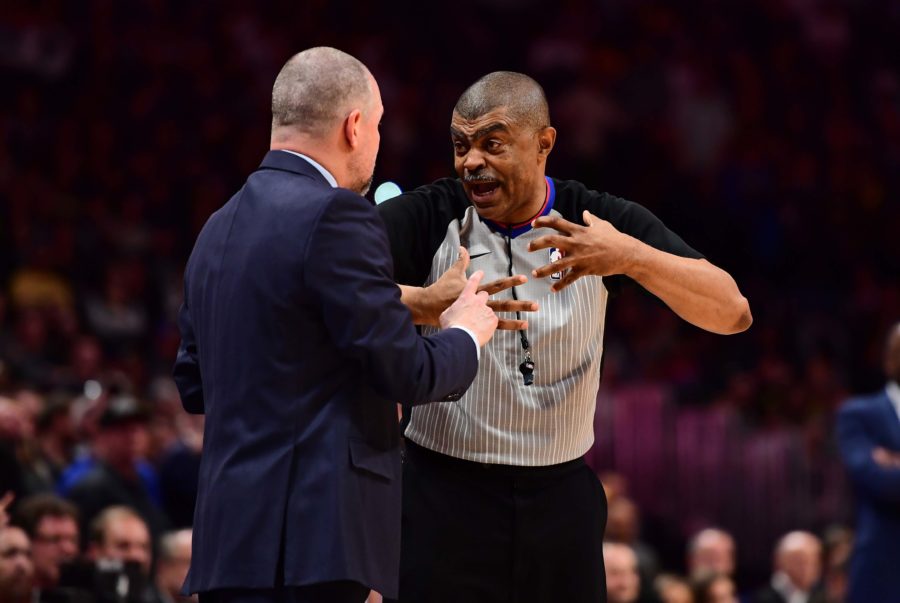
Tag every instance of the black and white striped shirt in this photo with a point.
(499, 419)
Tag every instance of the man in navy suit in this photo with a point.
(868, 431)
(296, 346)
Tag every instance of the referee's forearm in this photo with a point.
(698, 291)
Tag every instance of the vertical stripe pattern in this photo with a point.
(499, 419)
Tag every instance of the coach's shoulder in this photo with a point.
(858, 405)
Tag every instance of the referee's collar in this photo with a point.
(514, 230)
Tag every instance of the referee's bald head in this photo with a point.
(521, 96)
(316, 89)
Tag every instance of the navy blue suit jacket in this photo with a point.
(296, 346)
(862, 424)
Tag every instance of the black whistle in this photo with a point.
(527, 370)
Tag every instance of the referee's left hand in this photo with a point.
(596, 248)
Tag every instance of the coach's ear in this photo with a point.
(351, 128)
(546, 139)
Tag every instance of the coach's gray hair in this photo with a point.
(316, 88)
(522, 97)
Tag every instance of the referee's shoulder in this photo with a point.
(573, 196)
(443, 196)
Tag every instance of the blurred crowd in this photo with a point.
(766, 133)
(803, 566)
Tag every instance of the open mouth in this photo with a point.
(484, 189)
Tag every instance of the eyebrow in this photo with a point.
(480, 133)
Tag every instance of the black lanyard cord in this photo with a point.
(527, 366)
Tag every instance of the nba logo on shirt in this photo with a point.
(555, 256)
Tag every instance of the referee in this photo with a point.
(498, 504)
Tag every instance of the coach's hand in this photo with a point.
(596, 248)
(440, 294)
(470, 310)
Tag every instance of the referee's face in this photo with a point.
(501, 165)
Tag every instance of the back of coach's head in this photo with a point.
(326, 104)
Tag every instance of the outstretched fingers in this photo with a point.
(502, 284)
(557, 223)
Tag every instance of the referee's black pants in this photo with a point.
(484, 533)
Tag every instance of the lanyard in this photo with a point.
(527, 366)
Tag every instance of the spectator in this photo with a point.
(673, 589)
(14, 432)
(712, 587)
(798, 571)
(52, 525)
(115, 479)
(119, 538)
(711, 550)
(622, 581)
(838, 542)
(868, 431)
(120, 533)
(172, 566)
(16, 568)
(623, 525)
(55, 441)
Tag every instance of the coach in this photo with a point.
(295, 345)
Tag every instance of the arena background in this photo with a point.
(766, 133)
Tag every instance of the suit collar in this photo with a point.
(288, 162)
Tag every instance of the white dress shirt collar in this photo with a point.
(325, 173)
(893, 392)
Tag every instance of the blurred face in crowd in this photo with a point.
(721, 590)
(622, 521)
(800, 558)
(123, 444)
(16, 567)
(87, 357)
(62, 429)
(14, 424)
(126, 539)
(172, 567)
(614, 485)
(55, 543)
(713, 551)
(675, 591)
(362, 167)
(622, 581)
(501, 164)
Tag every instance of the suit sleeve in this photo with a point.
(186, 371)
(350, 277)
(856, 445)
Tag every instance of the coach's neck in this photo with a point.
(331, 150)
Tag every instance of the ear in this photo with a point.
(352, 127)
(546, 140)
